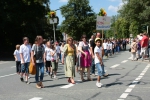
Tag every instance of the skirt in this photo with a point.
(85, 62)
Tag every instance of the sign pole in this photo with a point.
(54, 32)
(102, 35)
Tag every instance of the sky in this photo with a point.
(111, 6)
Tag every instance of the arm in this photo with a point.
(32, 55)
(99, 58)
(21, 56)
(64, 52)
(15, 57)
(53, 53)
(103, 53)
(91, 48)
(44, 56)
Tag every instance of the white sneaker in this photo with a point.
(99, 85)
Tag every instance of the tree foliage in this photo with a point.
(132, 16)
(79, 18)
(21, 18)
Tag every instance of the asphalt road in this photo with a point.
(128, 80)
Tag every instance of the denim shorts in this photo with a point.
(99, 69)
(25, 67)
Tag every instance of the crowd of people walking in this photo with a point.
(140, 47)
(76, 56)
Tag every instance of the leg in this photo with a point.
(99, 68)
(41, 66)
(42, 71)
(27, 71)
(88, 72)
(17, 67)
(81, 72)
(37, 73)
(93, 67)
(22, 72)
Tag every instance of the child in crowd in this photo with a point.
(17, 59)
(54, 60)
(98, 52)
(48, 58)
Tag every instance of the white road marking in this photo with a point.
(70, 85)
(13, 66)
(67, 86)
(3, 62)
(124, 95)
(35, 98)
(114, 66)
(8, 75)
(132, 86)
(128, 90)
(124, 61)
(134, 83)
(130, 58)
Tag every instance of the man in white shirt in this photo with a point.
(105, 46)
(25, 51)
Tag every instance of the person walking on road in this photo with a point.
(38, 51)
(69, 60)
(85, 60)
(133, 50)
(48, 58)
(25, 50)
(54, 60)
(144, 46)
(17, 59)
(98, 51)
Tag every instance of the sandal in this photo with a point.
(72, 81)
(83, 80)
(69, 81)
(89, 79)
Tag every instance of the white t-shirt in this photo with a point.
(48, 54)
(139, 37)
(110, 46)
(58, 49)
(105, 45)
(97, 50)
(55, 55)
(25, 50)
(17, 54)
(81, 44)
(61, 49)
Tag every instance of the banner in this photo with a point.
(103, 23)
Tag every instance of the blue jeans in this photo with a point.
(25, 67)
(99, 69)
(106, 52)
(39, 66)
(118, 49)
(93, 67)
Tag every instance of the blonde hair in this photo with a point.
(69, 38)
(17, 47)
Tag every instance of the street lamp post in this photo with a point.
(53, 21)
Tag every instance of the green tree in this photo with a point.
(21, 18)
(79, 18)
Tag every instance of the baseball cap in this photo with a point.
(98, 39)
